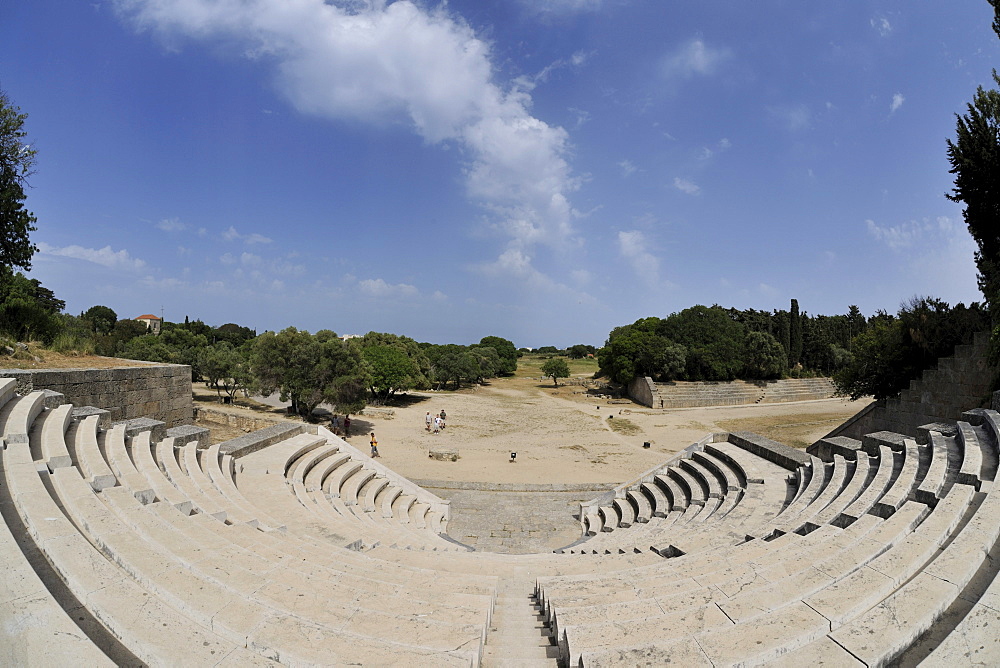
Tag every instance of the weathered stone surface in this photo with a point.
(443, 454)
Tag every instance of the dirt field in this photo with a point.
(562, 435)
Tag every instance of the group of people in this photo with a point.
(435, 422)
(335, 425)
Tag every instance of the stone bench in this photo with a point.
(154, 632)
(163, 489)
(932, 485)
(166, 459)
(88, 454)
(50, 431)
(19, 413)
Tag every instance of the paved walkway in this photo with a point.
(515, 522)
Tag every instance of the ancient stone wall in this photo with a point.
(642, 390)
(960, 382)
(158, 391)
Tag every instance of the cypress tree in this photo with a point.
(795, 335)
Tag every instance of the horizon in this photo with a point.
(514, 169)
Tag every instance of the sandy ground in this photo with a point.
(564, 436)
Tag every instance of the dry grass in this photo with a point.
(623, 426)
(529, 365)
(50, 359)
(797, 431)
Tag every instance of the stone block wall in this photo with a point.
(960, 382)
(158, 391)
(642, 390)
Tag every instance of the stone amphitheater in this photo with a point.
(130, 543)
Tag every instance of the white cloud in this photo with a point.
(686, 186)
(231, 234)
(693, 58)
(915, 232)
(379, 288)
(633, 248)
(708, 152)
(628, 169)
(171, 225)
(897, 102)
(561, 6)
(378, 61)
(576, 60)
(882, 25)
(102, 256)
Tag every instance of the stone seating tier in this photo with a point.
(295, 548)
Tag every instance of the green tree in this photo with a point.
(893, 351)
(223, 366)
(555, 369)
(713, 341)
(420, 374)
(390, 370)
(505, 351)
(28, 310)
(113, 344)
(763, 356)
(975, 162)
(233, 333)
(17, 161)
(308, 370)
(102, 319)
(795, 335)
(147, 347)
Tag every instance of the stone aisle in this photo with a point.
(518, 638)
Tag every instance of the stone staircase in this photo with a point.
(519, 636)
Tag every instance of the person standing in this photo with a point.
(347, 426)
(335, 423)
(437, 423)
(374, 446)
(443, 418)
(427, 421)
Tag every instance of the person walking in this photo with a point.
(335, 423)
(437, 423)
(347, 426)
(427, 421)
(443, 418)
(375, 446)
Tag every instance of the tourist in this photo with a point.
(427, 421)
(443, 418)
(437, 423)
(375, 446)
(335, 424)
(347, 426)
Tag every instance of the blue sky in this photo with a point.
(541, 170)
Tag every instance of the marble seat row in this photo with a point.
(872, 550)
(201, 599)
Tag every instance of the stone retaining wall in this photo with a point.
(145, 389)
(960, 382)
(642, 390)
(250, 421)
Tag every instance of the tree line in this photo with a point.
(719, 344)
(305, 369)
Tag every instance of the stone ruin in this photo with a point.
(126, 543)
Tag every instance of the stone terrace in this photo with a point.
(132, 544)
